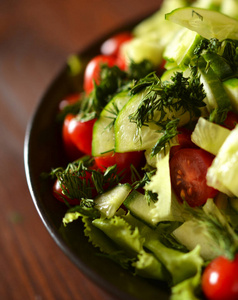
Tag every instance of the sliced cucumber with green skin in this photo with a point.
(109, 202)
(209, 136)
(216, 96)
(181, 49)
(139, 207)
(231, 87)
(207, 23)
(103, 134)
(219, 65)
(129, 138)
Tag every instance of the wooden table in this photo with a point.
(36, 37)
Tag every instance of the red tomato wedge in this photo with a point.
(188, 169)
(184, 140)
(71, 149)
(122, 160)
(81, 133)
(112, 45)
(220, 279)
(231, 120)
(92, 71)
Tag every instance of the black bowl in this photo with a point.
(43, 151)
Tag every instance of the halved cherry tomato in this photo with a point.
(112, 45)
(122, 160)
(220, 279)
(188, 169)
(80, 132)
(184, 140)
(71, 149)
(58, 194)
(68, 100)
(231, 120)
(92, 71)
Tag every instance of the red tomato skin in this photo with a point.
(92, 71)
(70, 148)
(112, 45)
(68, 100)
(188, 169)
(58, 194)
(81, 134)
(184, 140)
(220, 279)
(123, 160)
(231, 120)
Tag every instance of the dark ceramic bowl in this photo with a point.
(44, 151)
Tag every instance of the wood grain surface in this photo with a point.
(36, 38)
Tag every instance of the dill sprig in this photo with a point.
(80, 181)
(169, 130)
(180, 94)
(141, 182)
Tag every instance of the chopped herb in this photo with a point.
(169, 130)
(181, 93)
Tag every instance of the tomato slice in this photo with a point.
(184, 140)
(122, 160)
(220, 279)
(81, 133)
(188, 169)
(112, 45)
(92, 71)
(231, 120)
(72, 151)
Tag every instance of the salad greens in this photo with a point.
(142, 225)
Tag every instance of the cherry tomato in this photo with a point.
(123, 160)
(112, 45)
(231, 120)
(220, 279)
(188, 169)
(80, 132)
(68, 100)
(184, 140)
(58, 194)
(71, 149)
(92, 71)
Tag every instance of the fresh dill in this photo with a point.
(180, 94)
(80, 181)
(169, 130)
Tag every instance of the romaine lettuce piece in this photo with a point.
(223, 173)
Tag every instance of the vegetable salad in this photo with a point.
(152, 145)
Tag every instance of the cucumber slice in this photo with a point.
(216, 96)
(180, 50)
(103, 134)
(209, 136)
(231, 87)
(207, 23)
(139, 208)
(127, 137)
(219, 65)
(109, 202)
